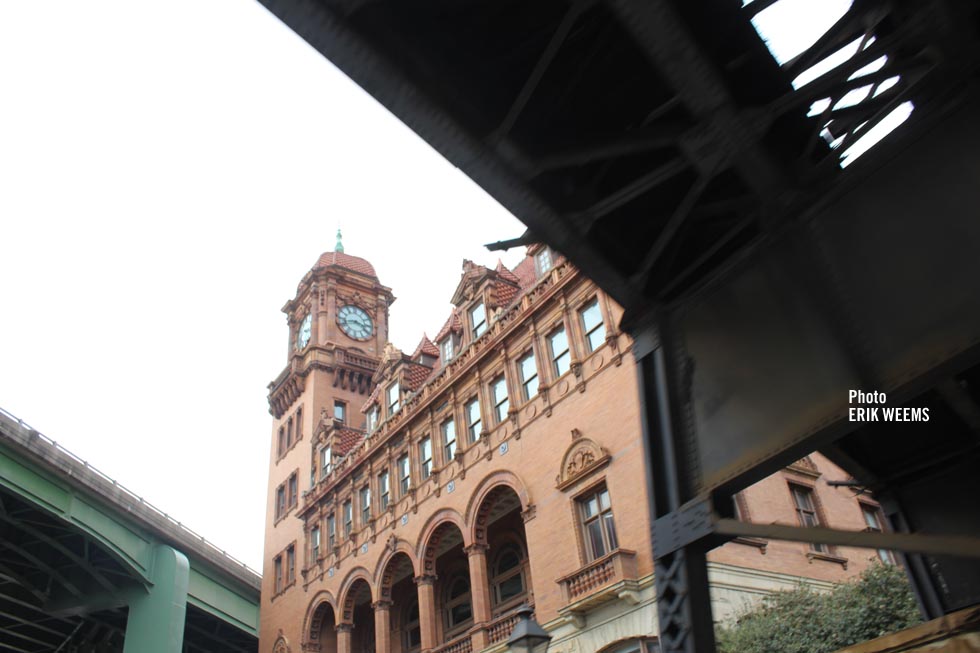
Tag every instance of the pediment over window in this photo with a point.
(581, 459)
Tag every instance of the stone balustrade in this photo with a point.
(609, 570)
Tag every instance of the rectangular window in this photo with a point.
(875, 524)
(392, 395)
(446, 349)
(348, 514)
(384, 490)
(315, 543)
(474, 423)
(597, 523)
(365, 505)
(292, 494)
(404, 475)
(281, 442)
(289, 432)
(425, 456)
(331, 531)
(280, 501)
(498, 394)
(561, 358)
(326, 462)
(290, 564)
(542, 261)
(595, 330)
(372, 419)
(478, 320)
(340, 411)
(449, 440)
(806, 511)
(299, 423)
(529, 375)
(277, 565)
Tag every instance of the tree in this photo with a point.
(802, 620)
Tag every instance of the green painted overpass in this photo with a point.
(87, 566)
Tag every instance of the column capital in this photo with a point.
(344, 627)
(476, 548)
(382, 604)
(425, 579)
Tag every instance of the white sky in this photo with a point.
(168, 173)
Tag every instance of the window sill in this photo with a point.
(757, 542)
(816, 555)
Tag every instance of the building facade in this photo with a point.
(415, 501)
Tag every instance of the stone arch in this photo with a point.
(313, 620)
(479, 506)
(346, 597)
(433, 531)
(382, 574)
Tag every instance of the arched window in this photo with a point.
(507, 574)
(459, 610)
(412, 631)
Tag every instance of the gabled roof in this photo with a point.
(454, 324)
(426, 347)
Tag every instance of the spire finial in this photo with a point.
(339, 247)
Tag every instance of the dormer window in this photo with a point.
(478, 320)
(392, 395)
(372, 418)
(446, 349)
(543, 262)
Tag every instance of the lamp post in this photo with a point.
(527, 633)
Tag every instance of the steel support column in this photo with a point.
(680, 574)
(156, 618)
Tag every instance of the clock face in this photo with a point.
(305, 328)
(355, 322)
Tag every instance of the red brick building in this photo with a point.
(416, 500)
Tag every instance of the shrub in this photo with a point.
(802, 620)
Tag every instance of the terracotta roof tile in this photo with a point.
(454, 324)
(346, 261)
(426, 347)
(506, 274)
(415, 375)
(347, 439)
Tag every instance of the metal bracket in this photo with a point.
(691, 522)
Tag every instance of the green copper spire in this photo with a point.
(339, 247)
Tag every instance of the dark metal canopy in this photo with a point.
(661, 147)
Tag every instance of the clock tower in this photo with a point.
(338, 327)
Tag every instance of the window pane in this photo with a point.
(478, 320)
(460, 613)
(531, 387)
(458, 588)
(508, 589)
(508, 559)
(590, 507)
(607, 520)
(604, 500)
(595, 330)
(594, 531)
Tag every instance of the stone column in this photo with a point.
(382, 626)
(479, 592)
(427, 610)
(326, 312)
(156, 618)
(344, 633)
